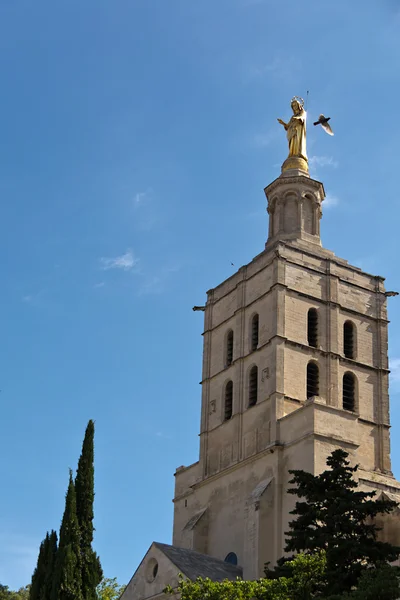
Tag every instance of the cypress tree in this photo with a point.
(84, 484)
(67, 578)
(335, 516)
(39, 575)
(50, 566)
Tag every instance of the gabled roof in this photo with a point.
(193, 564)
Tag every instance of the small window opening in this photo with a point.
(349, 391)
(254, 333)
(228, 400)
(229, 348)
(312, 327)
(231, 558)
(312, 380)
(348, 339)
(253, 386)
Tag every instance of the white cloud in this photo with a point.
(100, 284)
(125, 262)
(141, 197)
(330, 201)
(323, 161)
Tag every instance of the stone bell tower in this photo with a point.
(295, 365)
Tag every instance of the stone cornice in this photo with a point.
(299, 179)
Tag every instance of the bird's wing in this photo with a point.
(326, 127)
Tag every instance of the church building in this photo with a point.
(295, 365)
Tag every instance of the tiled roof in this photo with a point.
(193, 564)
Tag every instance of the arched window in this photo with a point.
(349, 391)
(312, 380)
(229, 348)
(312, 327)
(228, 400)
(254, 333)
(349, 332)
(253, 386)
(231, 558)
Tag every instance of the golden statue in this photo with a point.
(296, 135)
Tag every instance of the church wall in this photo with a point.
(365, 339)
(259, 284)
(227, 498)
(297, 424)
(361, 441)
(256, 429)
(296, 314)
(366, 389)
(367, 453)
(353, 275)
(357, 299)
(264, 307)
(295, 371)
(223, 447)
(141, 584)
(186, 477)
(303, 280)
(264, 359)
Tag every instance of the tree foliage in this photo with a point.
(335, 516)
(42, 578)
(109, 589)
(84, 485)
(67, 579)
(73, 570)
(7, 594)
(307, 577)
(307, 582)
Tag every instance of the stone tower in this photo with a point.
(295, 365)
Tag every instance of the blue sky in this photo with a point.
(136, 137)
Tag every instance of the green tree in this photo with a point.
(84, 484)
(50, 566)
(7, 594)
(109, 589)
(4, 592)
(381, 583)
(42, 577)
(39, 574)
(334, 516)
(306, 579)
(67, 579)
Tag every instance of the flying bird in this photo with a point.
(323, 121)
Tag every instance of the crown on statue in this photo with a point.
(299, 100)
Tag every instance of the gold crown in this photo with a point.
(299, 100)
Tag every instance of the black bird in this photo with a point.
(323, 121)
